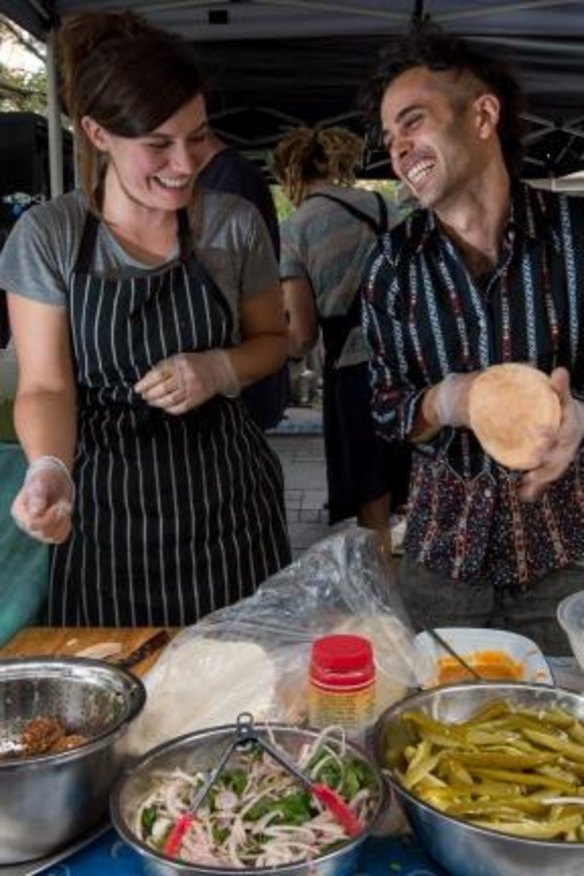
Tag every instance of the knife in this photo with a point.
(156, 641)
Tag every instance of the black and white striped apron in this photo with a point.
(175, 516)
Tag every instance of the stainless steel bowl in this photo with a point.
(461, 848)
(48, 800)
(201, 751)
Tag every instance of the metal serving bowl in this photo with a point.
(462, 848)
(47, 800)
(201, 751)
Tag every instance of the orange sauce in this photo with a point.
(492, 665)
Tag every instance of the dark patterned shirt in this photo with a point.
(426, 317)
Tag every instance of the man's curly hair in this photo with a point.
(427, 46)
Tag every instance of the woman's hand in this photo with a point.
(187, 380)
(561, 449)
(43, 506)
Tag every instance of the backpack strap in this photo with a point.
(379, 227)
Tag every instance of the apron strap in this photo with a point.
(84, 258)
(185, 237)
(87, 244)
(197, 269)
(89, 236)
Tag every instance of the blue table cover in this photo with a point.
(382, 856)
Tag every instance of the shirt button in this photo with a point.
(488, 493)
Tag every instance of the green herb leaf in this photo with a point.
(149, 816)
(234, 780)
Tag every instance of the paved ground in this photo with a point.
(298, 442)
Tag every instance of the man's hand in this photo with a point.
(447, 401)
(187, 380)
(559, 451)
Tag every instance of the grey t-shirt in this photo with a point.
(229, 236)
(324, 243)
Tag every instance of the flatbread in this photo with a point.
(512, 408)
(202, 683)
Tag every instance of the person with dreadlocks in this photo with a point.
(324, 246)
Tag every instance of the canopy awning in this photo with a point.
(274, 64)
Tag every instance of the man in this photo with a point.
(487, 271)
(225, 170)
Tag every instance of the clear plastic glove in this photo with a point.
(451, 399)
(43, 506)
(187, 380)
(561, 449)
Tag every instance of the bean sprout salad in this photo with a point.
(256, 813)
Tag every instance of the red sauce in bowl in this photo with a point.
(492, 665)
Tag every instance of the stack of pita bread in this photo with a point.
(199, 683)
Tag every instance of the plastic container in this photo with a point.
(570, 614)
(341, 684)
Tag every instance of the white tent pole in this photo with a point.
(54, 120)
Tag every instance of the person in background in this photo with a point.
(139, 306)
(223, 169)
(488, 270)
(324, 246)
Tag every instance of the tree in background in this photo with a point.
(391, 189)
(23, 81)
(23, 88)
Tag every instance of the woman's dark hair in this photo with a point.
(429, 47)
(125, 74)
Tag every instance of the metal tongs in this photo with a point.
(245, 732)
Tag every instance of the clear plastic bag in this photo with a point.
(254, 655)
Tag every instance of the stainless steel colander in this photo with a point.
(49, 799)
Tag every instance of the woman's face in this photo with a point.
(157, 171)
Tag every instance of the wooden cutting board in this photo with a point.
(69, 641)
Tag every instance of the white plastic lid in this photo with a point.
(570, 612)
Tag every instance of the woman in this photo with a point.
(324, 246)
(139, 307)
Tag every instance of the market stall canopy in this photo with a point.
(275, 64)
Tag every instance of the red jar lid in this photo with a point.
(342, 653)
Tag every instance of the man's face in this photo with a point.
(430, 131)
(158, 170)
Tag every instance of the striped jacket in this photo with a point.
(425, 317)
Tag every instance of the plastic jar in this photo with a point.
(341, 683)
